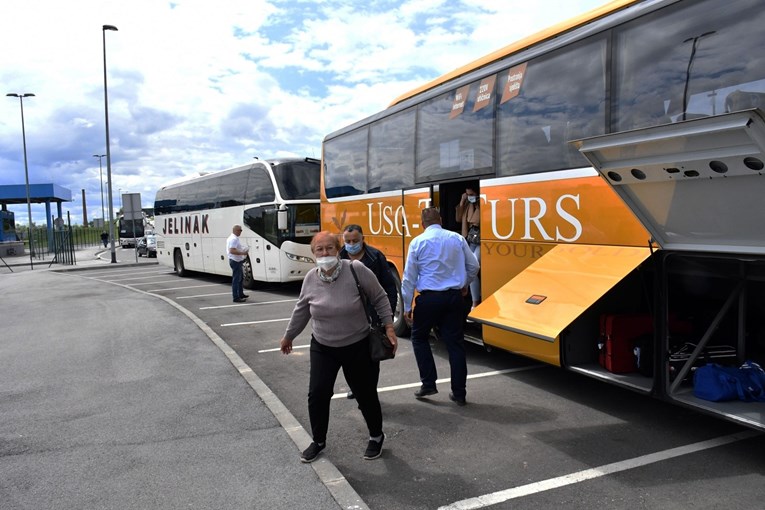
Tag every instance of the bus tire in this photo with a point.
(400, 326)
(180, 269)
(248, 282)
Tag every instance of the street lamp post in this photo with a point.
(101, 178)
(694, 47)
(108, 152)
(26, 171)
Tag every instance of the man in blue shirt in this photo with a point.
(440, 266)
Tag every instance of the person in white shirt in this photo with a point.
(439, 266)
(236, 256)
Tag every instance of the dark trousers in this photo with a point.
(360, 372)
(445, 310)
(236, 278)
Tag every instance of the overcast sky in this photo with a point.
(201, 85)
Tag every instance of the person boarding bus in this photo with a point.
(440, 266)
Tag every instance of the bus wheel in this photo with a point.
(178, 260)
(399, 323)
(248, 282)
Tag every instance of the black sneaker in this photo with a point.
(424, 392)
(240, 300)
(244, 296)
(374, 449)
(456, 400)
(313, 451)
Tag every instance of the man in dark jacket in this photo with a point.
(354, 248)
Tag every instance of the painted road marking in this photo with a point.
(588, 474)
(184, 288)
(448, 379)
(253, 322)
(138, 278)
(205, 295)
(248, 304)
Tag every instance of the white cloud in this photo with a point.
(199, 86)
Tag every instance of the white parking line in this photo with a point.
(491, 373)
(248, 304)
(114, 272)
(137, 278)
(187, 287)
(145, 283)
(205, 295)
(588, 474)
(253, 322)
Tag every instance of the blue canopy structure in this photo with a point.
(38, 194)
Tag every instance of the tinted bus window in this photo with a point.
(391, 152)
(187, 196)
(545, 103)
(297, 181)
(707, 60)
(207, 193)
(346, 160)
(165, 201)
(232, 188)
(259, 186)
(455, 133)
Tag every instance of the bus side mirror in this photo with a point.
(281, 219)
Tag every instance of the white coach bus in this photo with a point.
(276, 203)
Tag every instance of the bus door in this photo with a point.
(194, 228)
(256, 220)
(448, 199)
(272, 254)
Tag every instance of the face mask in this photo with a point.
(472, 199)
(326, 263)
(353, 249)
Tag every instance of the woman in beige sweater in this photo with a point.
(330, 299)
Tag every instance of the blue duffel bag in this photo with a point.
(718, 383)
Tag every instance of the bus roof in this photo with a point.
(201, 175)
(542, 35)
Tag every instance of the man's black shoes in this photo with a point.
(240, 300)
(457, 400)
(424, 392)
(244, 296)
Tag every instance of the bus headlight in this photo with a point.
(299, 258)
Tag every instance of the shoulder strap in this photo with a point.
(361, 293)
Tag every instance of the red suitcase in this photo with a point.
(618, 333)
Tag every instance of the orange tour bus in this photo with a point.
(618, 159)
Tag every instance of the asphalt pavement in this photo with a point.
(112, 400)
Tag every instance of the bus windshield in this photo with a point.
(302, 223)
(297, 180)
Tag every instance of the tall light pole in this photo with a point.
(108, 152)
(101, 177)
(694, 47)
(26, 170)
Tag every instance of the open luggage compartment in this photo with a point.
(697, 187)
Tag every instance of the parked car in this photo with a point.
(147, 245)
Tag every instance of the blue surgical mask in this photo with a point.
(353, 249)
(472, 199)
